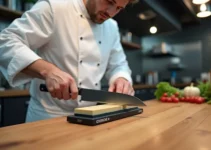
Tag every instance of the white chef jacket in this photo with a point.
(62, 33)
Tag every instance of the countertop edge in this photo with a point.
(14, 93)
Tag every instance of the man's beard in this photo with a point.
(94, 18)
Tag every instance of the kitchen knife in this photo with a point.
(104, 96)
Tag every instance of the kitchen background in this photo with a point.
(178, 52)
(164, 40)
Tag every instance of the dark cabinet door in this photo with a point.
(13, 110)
(145, 94)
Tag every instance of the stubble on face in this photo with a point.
(94, 14)
(97, 9)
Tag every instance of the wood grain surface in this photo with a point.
(162, 126)
(14, 93)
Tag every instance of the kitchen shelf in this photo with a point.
(145, 86)
(130, 45)
(7, 13)
(177, 67)
(168, 54)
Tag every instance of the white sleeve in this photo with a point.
(117, 64)
(24, 34)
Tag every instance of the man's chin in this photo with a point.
(98, 21)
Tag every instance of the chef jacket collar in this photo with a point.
(82, 8)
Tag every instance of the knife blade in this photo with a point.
(104, 96)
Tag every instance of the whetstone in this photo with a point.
(98, 109)
(123, 106)
(109, 113)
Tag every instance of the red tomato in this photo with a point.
(187, 99)
(163, 99)
(173, 96)
(199, 100)
(176, 94)
(182, 99)
(175, 100)
(192, 99)
(168, 99)
(165, 95)
(196, 99)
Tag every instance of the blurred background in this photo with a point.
(164, 40)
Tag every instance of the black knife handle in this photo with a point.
(44, 88)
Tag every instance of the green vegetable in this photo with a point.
(205, 90)
(165, 87)
(209, 102)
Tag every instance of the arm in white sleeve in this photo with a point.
(117, 64)
(25, 34)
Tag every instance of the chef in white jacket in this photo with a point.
(76, 43)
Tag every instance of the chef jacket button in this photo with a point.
(80, 83)
(99, 42)
(81, 62)
(96, 84)
(81, 38)
(81, 16)
(98, 64)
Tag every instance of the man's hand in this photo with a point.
(121, 85)
(60, 84)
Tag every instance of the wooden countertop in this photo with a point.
(163, 126)
(14, 93)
